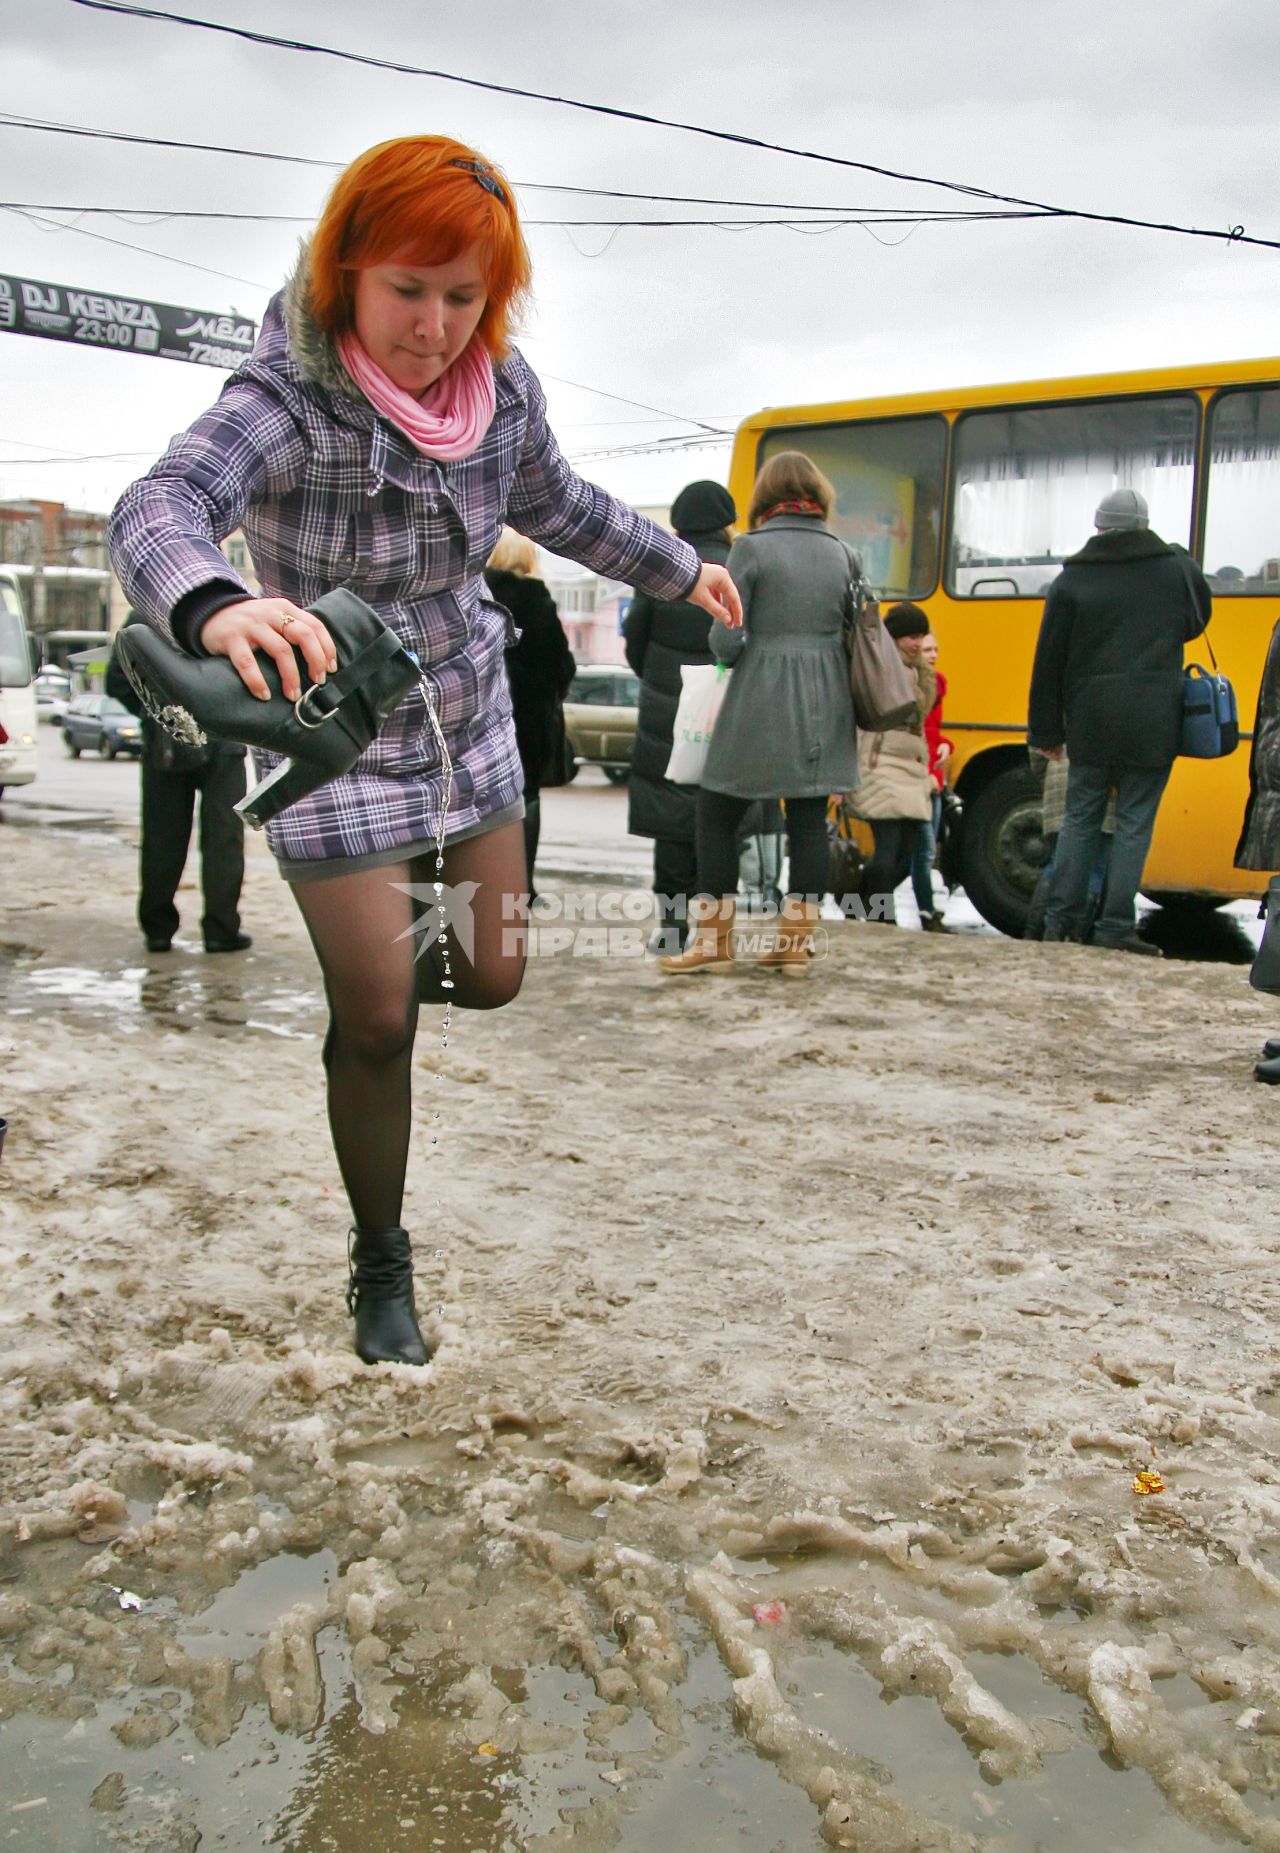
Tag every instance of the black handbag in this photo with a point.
(319, 736)
(560, 766)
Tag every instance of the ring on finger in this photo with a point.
(287, 620)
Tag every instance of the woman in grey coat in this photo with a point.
(786, 729)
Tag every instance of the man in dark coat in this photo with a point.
(663, 635)
(172, 776)
(1107, 684)
(540, 667)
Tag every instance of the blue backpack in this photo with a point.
(1210, 717)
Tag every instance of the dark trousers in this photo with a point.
(168, 807)
(890, 863)
(675, 878)
(718, 818)
(1138, 790)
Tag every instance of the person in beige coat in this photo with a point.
(895, 791)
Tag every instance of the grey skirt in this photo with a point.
(325, 868)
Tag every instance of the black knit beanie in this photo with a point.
(702, 508)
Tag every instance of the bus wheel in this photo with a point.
(1003, 851)
(72, 749)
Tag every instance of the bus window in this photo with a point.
(16, 668)
(1242, 531)
(1027, 482)
(888, 479)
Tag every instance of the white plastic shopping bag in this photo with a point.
(702, 693)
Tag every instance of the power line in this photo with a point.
(1236, 234)
(878, 216)
(637, 404)
(8, 120)
(52, 225)
(102, 456)
(659, 447)
(939, 215)
(599, 391)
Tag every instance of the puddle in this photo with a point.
(182, 997)
(240, 1617)
(1077, 1799)
(423, 1785)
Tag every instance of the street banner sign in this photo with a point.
(93, 318)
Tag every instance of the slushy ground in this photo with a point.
(774, 1483)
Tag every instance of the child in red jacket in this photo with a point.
(926, 848)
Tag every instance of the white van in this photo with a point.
(17, 693)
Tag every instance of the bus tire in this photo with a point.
(1003, 851)
(73, 751)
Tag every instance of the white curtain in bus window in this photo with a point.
(1242, 531)
(888, 482)
(1027, 483)
(15, 656)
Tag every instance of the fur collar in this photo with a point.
(312, 350)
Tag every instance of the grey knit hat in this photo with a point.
(1123, 508)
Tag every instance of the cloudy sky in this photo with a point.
(1156, 110)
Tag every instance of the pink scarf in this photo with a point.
(450, 419)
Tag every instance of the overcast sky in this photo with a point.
(1162, 111)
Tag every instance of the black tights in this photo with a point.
(808, 856)
(361, 927)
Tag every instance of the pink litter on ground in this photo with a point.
(769, 1614)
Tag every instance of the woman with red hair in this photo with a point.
(380, 434)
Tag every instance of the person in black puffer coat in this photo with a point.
(663, 635)
(540, 667)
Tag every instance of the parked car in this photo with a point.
(600, 718)
(102, 722)
(53, 692)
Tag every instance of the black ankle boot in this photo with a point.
(380, 1296)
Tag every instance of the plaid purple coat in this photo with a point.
(330, 494)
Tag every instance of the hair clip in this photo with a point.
(484, 175)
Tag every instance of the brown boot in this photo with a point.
(711, 947)
(793, 946)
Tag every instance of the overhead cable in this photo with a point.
(939, 214)
(878, 216)
(53, 225)
(1235, 235)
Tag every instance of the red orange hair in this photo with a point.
(420, 199)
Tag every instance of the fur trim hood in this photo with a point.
(312, 350)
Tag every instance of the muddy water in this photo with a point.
(505, 1756)
(773, 1486)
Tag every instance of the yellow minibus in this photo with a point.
(968, 502)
